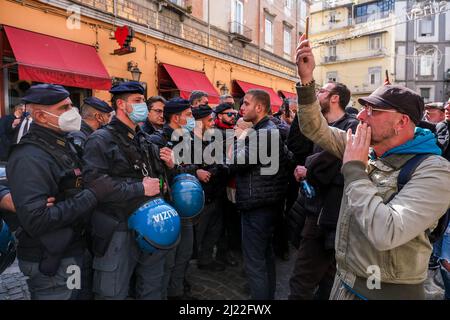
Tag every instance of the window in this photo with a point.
(375, 42)
(425, 93)
(239, 16)
(332, 76)
(178, 2)
(373, 10)
(332, 17)
(303, 12)
(375, 76)
(268, 32)
(426, 26)
(426, 65)
(287, 41)
(332, 51)
(288, 4)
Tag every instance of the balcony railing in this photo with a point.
(238, 30)
(355, 55)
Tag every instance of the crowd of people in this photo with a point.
(361, 194)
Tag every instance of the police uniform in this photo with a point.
(52, 238)
(178, 258)
(210, 225)
(126, 156)
(80, 137)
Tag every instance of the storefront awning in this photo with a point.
(48, 59)
(287, 95)
(187, 80)
(275, 100)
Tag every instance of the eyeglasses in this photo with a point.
(158, 111)
(230, 114)
(322, 90)
(369, 109)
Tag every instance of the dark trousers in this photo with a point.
(315, 266)
(259, 261)
(208, 231)
(230, 238)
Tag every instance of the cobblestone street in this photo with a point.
(226, 285)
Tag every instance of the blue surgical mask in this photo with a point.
(190, 124)
(139, 113)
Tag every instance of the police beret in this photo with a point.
(127, 87)
(98, 104)
(45, 94)
(397, 97)
(222, 107)
(202, 111)
(176, 105)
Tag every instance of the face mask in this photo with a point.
(68, 121)
(190, 125)
(139, 113)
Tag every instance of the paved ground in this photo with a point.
(227, 285)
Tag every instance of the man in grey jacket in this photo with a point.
(382, 246)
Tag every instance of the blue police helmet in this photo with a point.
(2, 172)
(7, 247)
(188, 197)
(156, 225)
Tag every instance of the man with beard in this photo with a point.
(155, 118)
(382, 237)
(315, 265)
(225, 120)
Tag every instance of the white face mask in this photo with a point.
(68, 121)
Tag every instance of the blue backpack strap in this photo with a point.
(408, 169)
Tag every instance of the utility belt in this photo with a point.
(103, 228)
(387, 291)
(50, 248)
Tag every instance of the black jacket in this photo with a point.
(44, 164)
(80, 137)
(443, 137)
(148, 128)
(165, 138)
(6, 135)
(298, 144)
(325, 176)
(117, 151)
(254, 190)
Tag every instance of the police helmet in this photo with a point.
(7, 247)
(2, 172)
(188, 197)
(156, 225)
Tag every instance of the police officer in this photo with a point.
(95, 113)
(121, 151)
(178, 115)
(213, 177)
(51, 238)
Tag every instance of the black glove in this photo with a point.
(102, 187)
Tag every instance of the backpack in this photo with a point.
(403, 178)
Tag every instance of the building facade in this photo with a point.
(422, 47)
(353, 43)
(172, 40)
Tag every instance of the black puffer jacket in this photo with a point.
(254, 190)
(443, 137)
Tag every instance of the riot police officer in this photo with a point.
(95, 113)
(44, 164)
(178, 116)
(121, 151)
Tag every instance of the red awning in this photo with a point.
(187, 80)
(287, 95)
(275, 100)
(48, 59)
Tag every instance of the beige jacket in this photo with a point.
(371, 232)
